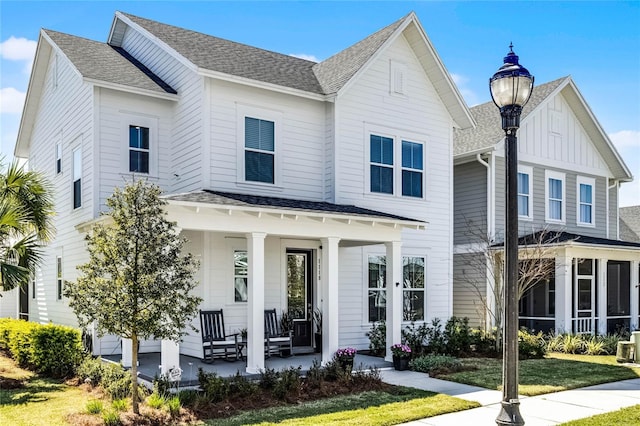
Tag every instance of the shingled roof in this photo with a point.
(630, 223)
(101, 62)
(244, 200)
(488, 131)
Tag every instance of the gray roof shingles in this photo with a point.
(244, 200)
(99, 61)
(488, 130)
(562, 237)
(630, 223)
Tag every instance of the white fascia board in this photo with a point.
(259, 211)
(130, 89)
(263, 85)
(469, 156)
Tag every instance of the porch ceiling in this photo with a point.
(240, 213)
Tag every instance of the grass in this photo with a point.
(557, 372)
(375, 408)
(41, 402)
(629, 416)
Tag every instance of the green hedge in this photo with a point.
(53, 350)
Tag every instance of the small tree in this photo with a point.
(136, 284)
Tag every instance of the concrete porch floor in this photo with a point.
(149, 365)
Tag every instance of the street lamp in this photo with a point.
(511, 88)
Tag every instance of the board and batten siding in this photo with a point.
(186, 143)
(470, 287)
(417, 114)
(470, 203)
(65, 116)
(300, 140)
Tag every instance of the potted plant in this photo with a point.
(401, 356)
(317, 326)
(344, 357)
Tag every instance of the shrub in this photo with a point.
(119, 404)
(572, 344)
(215, 388)
(92, 369)
(111, 418)
(94, 407)
(241, 386)
(19, 342)
(377, 338)
(116, 381)
(436, 340)
(161, 385)
(554, 342)
(156, 401)
(174, 405)
(415, 337)
(315, 375)
(435, 364)
(188, 397)
(268, 378)
(458, 336)
(531, 345)
(483, 342)
(594, 346)
(289, 383)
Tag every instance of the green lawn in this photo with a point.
(557, 372)
(629, 416)
(42, 402)
(367, 408)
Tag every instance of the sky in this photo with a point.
(597, 43)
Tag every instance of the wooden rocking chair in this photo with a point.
(215, 343)
(276, 341)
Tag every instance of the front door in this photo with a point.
(299, 294)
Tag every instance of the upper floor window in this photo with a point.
(555, 196)
(59, 277)
(412, 169)
(413, 289)
(138, 149)
(381, 149)
(524, 192)
(58, 158)
(240, 275)
(585, 202)
(259, 152)
(377, 293)
(77, 178)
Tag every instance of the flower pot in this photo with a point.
(347, 364)
(400, 364)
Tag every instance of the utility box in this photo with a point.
(623, 354)
(635, 339)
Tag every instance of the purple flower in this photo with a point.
(400, 350)
(345, 353)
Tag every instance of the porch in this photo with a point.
(149, 365)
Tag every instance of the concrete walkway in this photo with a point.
(541, 410)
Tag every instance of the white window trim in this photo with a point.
(424, 289)
(73, 177)
(528, 170)
(233, 245)
(550, 174)
(261, 114)
(586, 181)
(398, 136)
(151, 122)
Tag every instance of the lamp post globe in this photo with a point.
(511, 87)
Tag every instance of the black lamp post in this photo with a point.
(511, 87)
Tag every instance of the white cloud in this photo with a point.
(304, 56)
(18, 49)
(469, 95)
(627, 143)
(626, 138)
(11, 100)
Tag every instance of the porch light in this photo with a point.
(511, 87)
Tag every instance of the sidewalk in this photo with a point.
(541, 410)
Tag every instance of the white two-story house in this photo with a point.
(569, 174)
(273, 166)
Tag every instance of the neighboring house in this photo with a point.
(630, 223)
(338, 172)
(568, 178)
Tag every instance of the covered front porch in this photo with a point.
(248, 247)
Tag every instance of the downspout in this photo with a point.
(609, 188)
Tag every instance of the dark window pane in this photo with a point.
(259, 134)
(139, 161)
(413, 304)
(377, 305)
(258, 167)
(585, 266)
(266, 135)
(382, 179)
(77, 196)
(381, 150)
(412, 155)
(240, 289)
(523, 183)
(138, 137)
(411, 183)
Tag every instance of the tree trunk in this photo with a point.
(134, 372)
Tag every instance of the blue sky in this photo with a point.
(598, 43)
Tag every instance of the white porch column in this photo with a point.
(564, 294)
(634, 295)
(169, 356)
(255, 302)
(601, 284)
(127, 356)
(330, 298)
(394, 295)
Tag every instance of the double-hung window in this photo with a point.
(412, 169)
(381, 150)
(240, 274)
(77, 178)
(555, 193)
(585, 191)
(138, 149)
(413, 288)
(58, 158)
(259, 150)
(59, 277)
(524, 192)
(377, 292)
